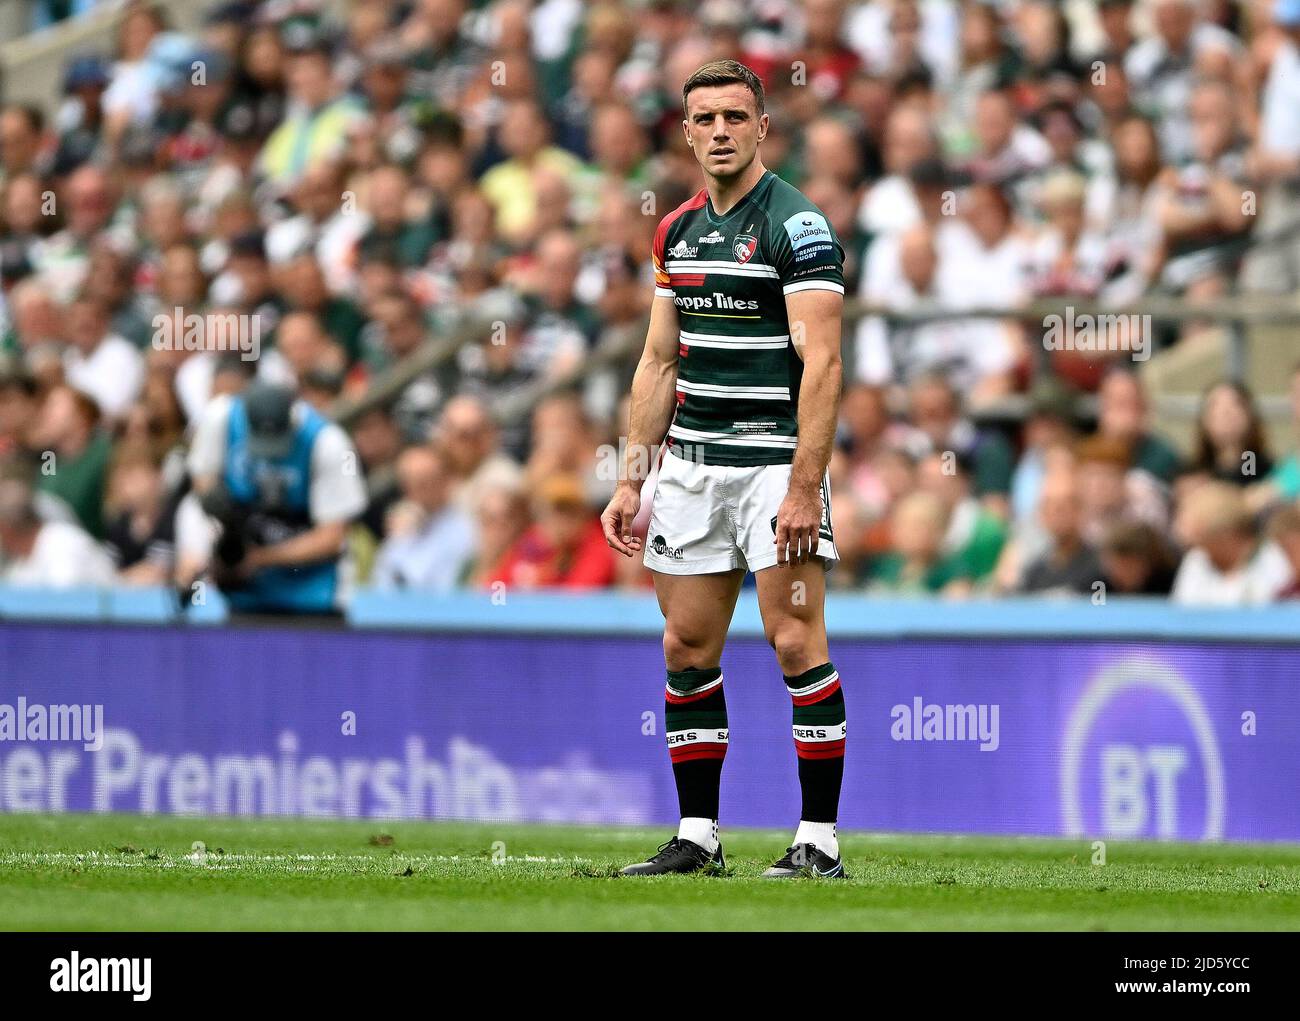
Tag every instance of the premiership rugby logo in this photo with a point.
(744, 247)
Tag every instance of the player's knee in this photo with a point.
(684, 650)
(792, 641)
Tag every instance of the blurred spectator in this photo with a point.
(74, 452)
(935, 412)
(1136, 560)
(1049, 423)
(1109, 493)
(17, 407)
(433, 554)
(501, 518)
(1230, 442)
(1274, 162)
(1070, 565)
(316, 120)
(100, 363)
(1162, 68)
(140, 531)
(1283, 483)
(1226, 563)
(974, 534)
(1202, 207)
(916, 563)
(1284, 531)
(1123, 414)
(565, 548)
(44, 554)
(470, 441)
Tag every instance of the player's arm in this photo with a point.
(654, 396)
(815, 331)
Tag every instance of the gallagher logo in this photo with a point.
(744, 247)
(661, 548)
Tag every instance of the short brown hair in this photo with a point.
(724, 72)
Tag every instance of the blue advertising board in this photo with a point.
(1095, 737)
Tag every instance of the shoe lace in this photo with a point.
(788, 860)
(801, 852)
(665, 850)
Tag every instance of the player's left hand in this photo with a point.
(797, 524)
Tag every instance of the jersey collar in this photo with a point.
(715, 218)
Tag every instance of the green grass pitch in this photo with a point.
(113, 872)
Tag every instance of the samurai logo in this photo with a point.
(661, 548)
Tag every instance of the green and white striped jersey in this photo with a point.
(738, 374)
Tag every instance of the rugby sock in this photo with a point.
(820, 834)
(695, 719)
(699, 831)
(819, 742)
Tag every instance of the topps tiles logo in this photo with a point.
(218, 332)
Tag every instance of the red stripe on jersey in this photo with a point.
(820, 749)
(816, 696)
(686, 280)
(696, 201)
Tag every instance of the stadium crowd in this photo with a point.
(360, 188)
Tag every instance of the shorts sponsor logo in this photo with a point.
(744, 247)
(661, 548)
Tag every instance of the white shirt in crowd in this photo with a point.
(1200, 583)
(432, 558)
(1279, 120)
(967, 275)
(63, 556)
(112, 373)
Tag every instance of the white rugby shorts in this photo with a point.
(707, 518)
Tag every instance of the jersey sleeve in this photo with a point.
(805, 251)
(663, 284)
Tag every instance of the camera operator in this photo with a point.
(281, 483)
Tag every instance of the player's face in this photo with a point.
(723, 128)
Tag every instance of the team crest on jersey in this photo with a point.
(744, 247)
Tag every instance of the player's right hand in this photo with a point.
(617, 521)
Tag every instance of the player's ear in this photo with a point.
(763, 123)
(686, 130)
